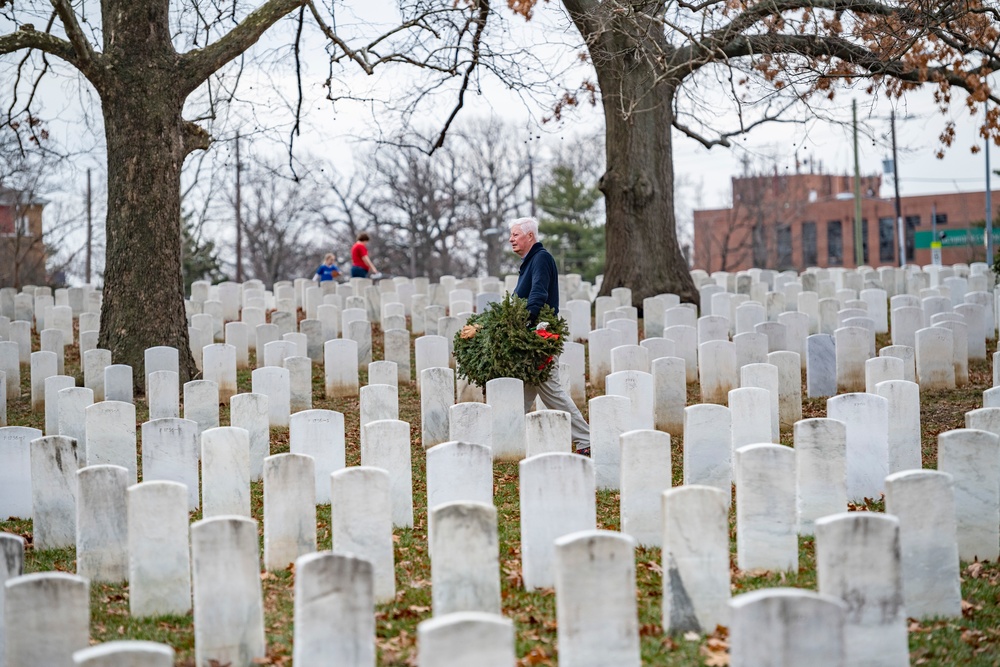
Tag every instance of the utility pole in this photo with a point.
(989, 194)
(239, 215)
(895, 180)
(859, 255)
(90, 226)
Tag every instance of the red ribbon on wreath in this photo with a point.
(545, 334)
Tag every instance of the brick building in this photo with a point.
(799, 220)
(22, 248)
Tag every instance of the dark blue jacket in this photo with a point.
(538, 280)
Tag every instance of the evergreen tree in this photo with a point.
(199, 257)
(570, 223)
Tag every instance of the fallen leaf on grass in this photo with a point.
(974, 570)
(717, 660)
(653, 567)
(715, 657)
(413, 611)
(512, 573)
(969, 610)
(650, 630)
(536, 656)
(972, 637)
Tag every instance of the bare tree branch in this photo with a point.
(484, 12)
(88, 61)
(295, 131)
(724, 137)
(198, 65)
(368, 57)
(27, 38)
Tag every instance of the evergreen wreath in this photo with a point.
(500, 342)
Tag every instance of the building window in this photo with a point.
(809, 256)
(784, 239)
(886, 245)
(941, 219)
(760, 246)
(864, 240)
(911, 236)
(834, 243)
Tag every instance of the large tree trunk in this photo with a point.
(143, 285)
(142, 82)
(142, 99)
(641, 234)
(638, 185)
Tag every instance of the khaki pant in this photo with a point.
(556, 398)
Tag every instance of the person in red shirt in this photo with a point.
(361, 263)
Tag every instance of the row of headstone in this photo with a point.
(740, 457)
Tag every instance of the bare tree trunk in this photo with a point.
(143, 285)
(642, 249)
(641, 233)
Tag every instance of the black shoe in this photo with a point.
(584, 452)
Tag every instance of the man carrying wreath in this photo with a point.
(537, 283)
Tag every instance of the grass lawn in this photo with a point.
(973, 639)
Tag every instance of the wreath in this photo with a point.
(501, 342)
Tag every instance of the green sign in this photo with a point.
(949, 238)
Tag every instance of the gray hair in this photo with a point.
(527, 225)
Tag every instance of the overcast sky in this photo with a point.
(703, 175)
(332, 131)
